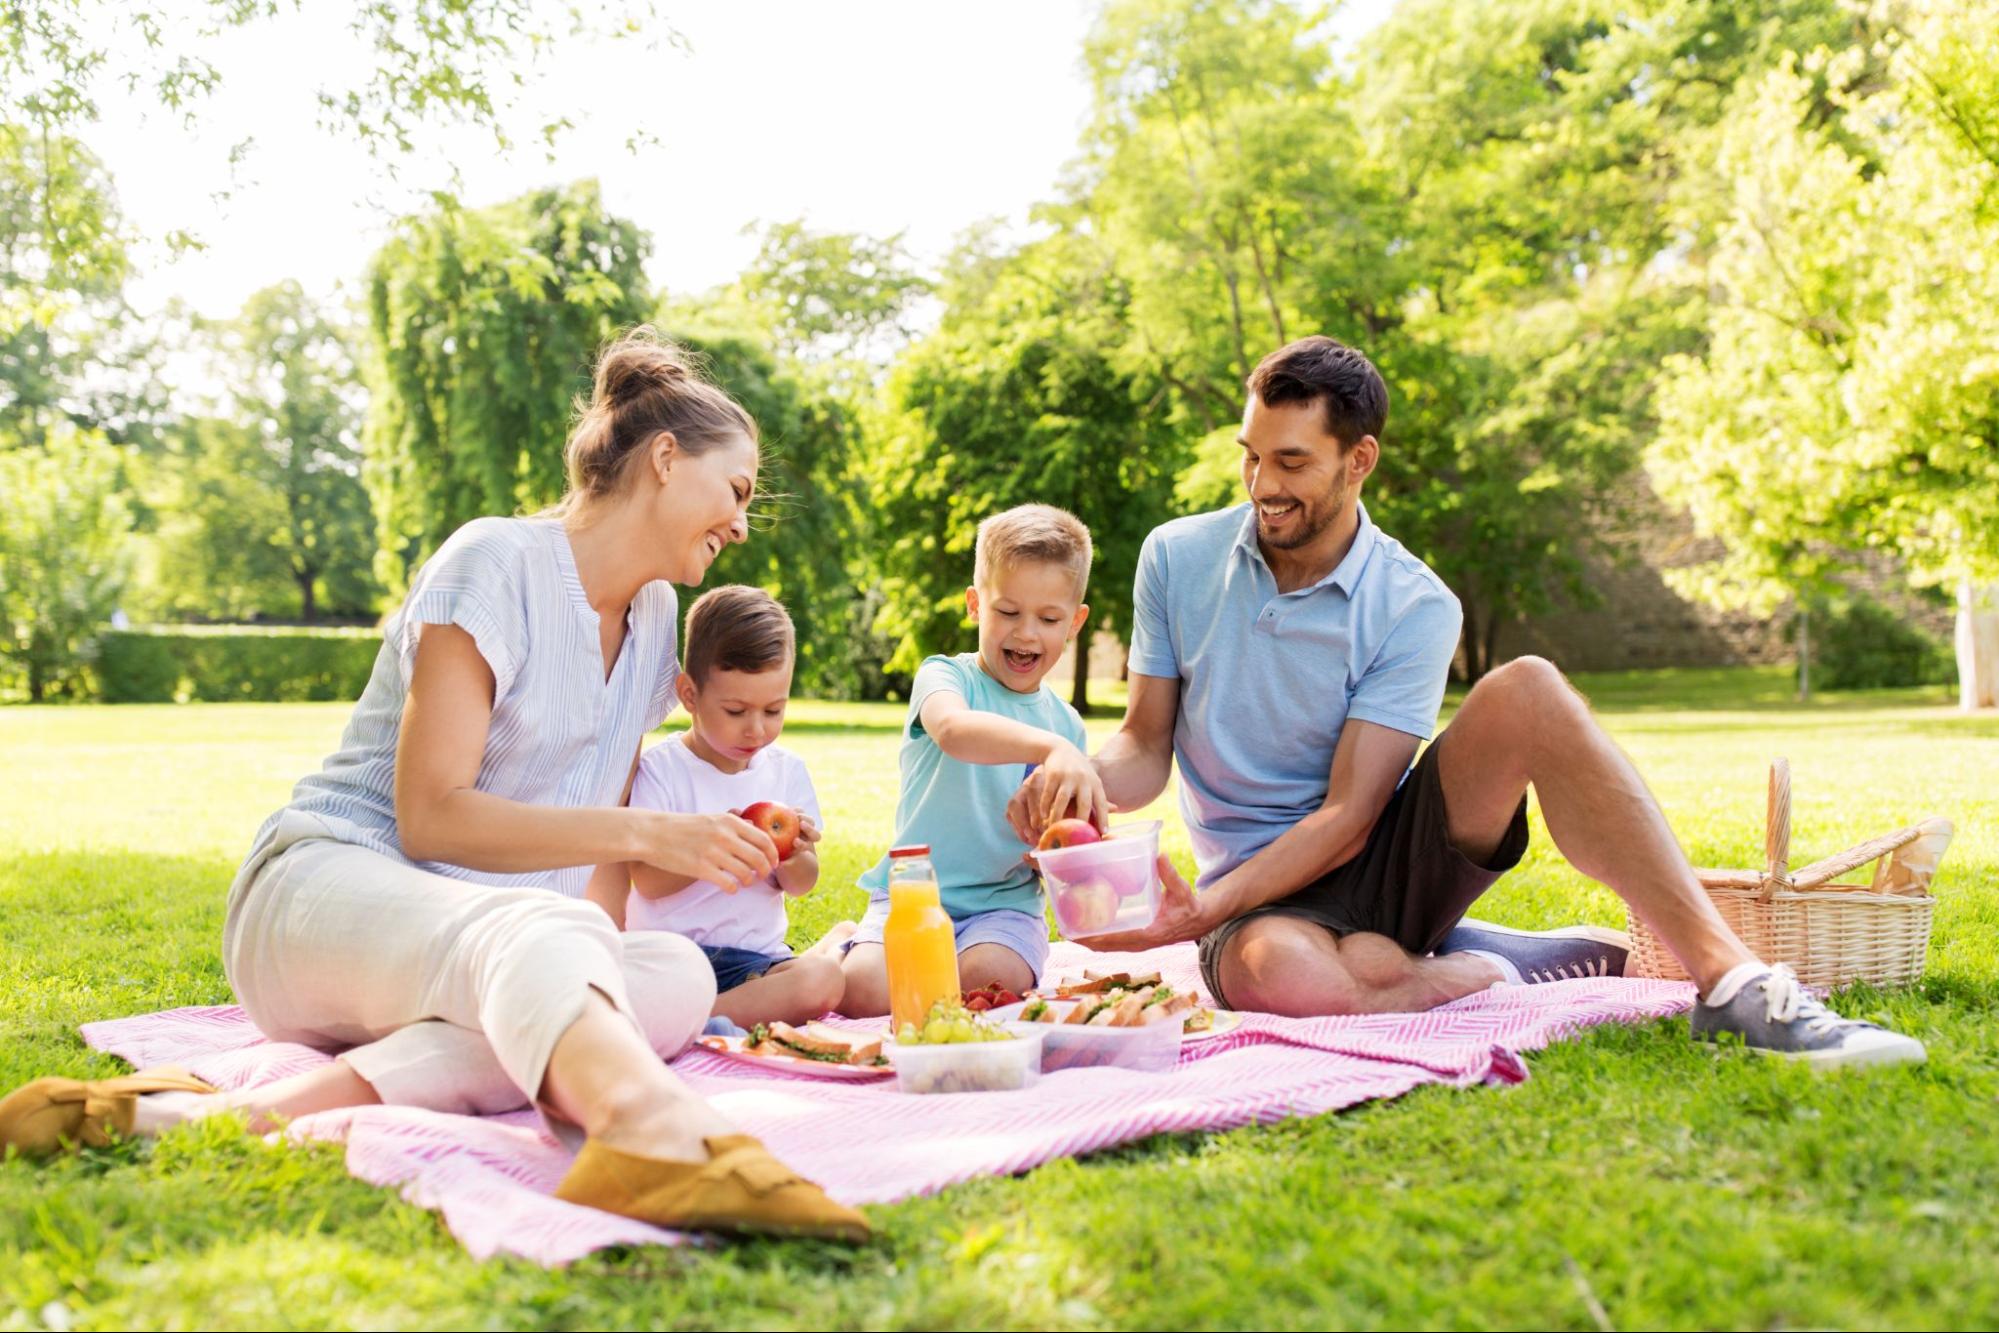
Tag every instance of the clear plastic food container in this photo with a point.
(1153, 1048)
(1104, 886)
(969, 1066)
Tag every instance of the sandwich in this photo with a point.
(815, 1041)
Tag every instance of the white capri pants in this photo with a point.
(450, 994)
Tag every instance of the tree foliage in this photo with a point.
(64, 556)
(264, 512)
(483, 326)
(1018, 398)
(1848, 395)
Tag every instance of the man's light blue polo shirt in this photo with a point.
(1268, 679)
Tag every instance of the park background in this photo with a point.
(1690, 316)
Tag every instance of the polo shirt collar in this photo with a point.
(1345, 575)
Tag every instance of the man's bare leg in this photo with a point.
(1294, 967)
(1525, 725)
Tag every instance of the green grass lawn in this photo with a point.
(1634, 1181)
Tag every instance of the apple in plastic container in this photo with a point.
(779, 821)
(1067, 833)
(1086, 907)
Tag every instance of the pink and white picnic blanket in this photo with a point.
(491, 1177)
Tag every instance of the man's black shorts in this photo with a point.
(1408, 883)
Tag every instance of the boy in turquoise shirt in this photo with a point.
(977, 723)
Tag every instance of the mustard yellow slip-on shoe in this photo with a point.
(741, 1187)
(51, 1114)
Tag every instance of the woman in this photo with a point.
(401, 904)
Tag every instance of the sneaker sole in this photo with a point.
(1826, 1062)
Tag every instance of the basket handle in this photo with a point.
(1777, 829)
(1820, 872)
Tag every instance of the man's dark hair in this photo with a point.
(1324, 369)
(736, 628)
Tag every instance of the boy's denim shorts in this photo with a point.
(733, 967)
(1026, 933)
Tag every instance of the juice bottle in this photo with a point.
(922, 948)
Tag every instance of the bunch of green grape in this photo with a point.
(949, 1022)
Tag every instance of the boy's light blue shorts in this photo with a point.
(1026, 933)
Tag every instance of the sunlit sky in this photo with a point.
(880, 117)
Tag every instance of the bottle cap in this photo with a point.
(914, 849)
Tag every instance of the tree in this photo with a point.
(1423, 205)
(1017, 398)
(827, 297)
(64, 556)
(806, 546)
(483, 327)
(1540, 151)
(266, 513)
(1848, 398)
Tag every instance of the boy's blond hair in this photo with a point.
(1042, 534)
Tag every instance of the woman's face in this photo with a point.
(702, 505)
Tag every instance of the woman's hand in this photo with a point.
(722, 849)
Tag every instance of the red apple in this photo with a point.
(1128, 878)
(1067, 833)
(1085, 908)
(780, 821)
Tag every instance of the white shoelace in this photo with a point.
(1596, 967)
(1786, 1002)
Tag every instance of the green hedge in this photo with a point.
(234, 664)
(1862, 645)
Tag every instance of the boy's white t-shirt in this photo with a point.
(673, 778)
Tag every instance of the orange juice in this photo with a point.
(922, 947)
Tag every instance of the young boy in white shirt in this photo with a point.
(735, 682)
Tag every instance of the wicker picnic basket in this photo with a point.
(1829, 934)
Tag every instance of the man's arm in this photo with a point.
(1136, 762)
(1133, 765)
(1367, 763)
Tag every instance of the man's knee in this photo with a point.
(1285, 965)
(1528, 693)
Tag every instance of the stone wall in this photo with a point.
(1640, 622)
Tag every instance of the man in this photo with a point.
(1293, 657)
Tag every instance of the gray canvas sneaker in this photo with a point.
(1772, 1014)
(1568, 954)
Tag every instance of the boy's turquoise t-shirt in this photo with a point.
(960, 808)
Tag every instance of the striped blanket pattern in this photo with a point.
(491, 1178)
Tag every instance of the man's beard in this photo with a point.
(1314, 517)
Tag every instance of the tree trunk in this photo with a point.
(1804, 653)
(1492, 624)
(1978, 645)
(1079, 695)
(1474, 645)
(308, 602)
